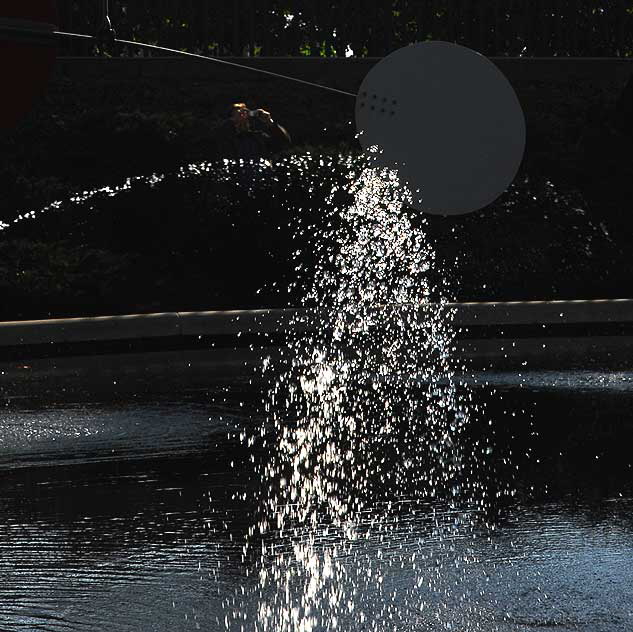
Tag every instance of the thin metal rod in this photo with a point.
(213, 59)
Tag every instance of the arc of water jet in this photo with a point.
(212, 59)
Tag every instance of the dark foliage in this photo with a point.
(330, 28)
(191, 244)
(203, 241)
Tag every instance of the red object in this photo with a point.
(27, 55)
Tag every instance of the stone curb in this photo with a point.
(214, 323)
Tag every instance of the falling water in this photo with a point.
(226, 170)
(365, 426)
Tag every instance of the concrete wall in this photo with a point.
(568, 335)
(137, 326)
(344, 74)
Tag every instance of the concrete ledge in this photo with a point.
(544, 312)
(236, 322)
(266, 321)
(100, 328)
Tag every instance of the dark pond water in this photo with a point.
(129, 515)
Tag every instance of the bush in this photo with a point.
(39, 279)
(202, 241)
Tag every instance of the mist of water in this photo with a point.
(365, 419)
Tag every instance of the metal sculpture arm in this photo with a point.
(106, 35)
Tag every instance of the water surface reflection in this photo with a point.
(131, 516)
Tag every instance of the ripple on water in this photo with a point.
(547, 565)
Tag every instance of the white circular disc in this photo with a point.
(448, 120)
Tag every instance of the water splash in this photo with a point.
(226, 170)
(365, 419)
